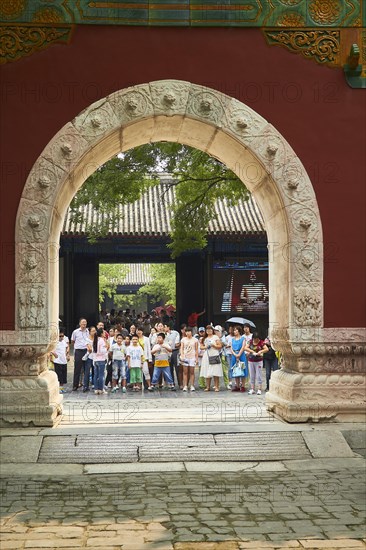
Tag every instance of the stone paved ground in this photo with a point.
(140, 407)
(314, 503)
(157, 395)
(186, 510)
(167, 407)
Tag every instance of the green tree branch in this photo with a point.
(199, 181)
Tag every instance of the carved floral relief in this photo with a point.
(32, 303)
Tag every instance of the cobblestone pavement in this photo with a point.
(311, 509)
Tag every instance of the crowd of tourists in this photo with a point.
(126, 318)
(141, 356)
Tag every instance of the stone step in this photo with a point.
(190, 410)
(93, 449)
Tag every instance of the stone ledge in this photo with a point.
(40, 470)
(134, 468)
(20, 448)
(71, 469)
(324, 444)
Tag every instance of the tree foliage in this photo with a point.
(162, 285)
(131, 301)
(199, 180)
(121, 180)
(110, 275)
(160, 288)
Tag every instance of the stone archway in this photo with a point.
(225, 128)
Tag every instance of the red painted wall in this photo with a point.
(311, 105)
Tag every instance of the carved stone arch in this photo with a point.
(225, 128)
(213, 122)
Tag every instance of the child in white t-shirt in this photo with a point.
(135, 359)
(188, 358)
(118, 350)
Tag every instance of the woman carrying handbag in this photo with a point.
(239, 369)
(211, 366)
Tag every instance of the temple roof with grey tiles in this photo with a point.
(137, 275)
(150, 216)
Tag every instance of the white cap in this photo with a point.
(218, 328)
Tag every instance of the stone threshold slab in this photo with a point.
(207, 427)
(135, 468)
(158, 427)
(78, 429)
(20, 449)
(119, 446)
(124, 448)
(28, 470)
(15, 432)
(169, 418)
(327, 444)
(48, 470)
(326, 464)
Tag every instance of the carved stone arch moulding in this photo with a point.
(192, 114)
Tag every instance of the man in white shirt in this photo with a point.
(80, 339)
(144, 343)
(172, 338)
(60, 356)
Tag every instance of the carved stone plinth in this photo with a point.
(30, 400)
(323, 377)
(29, 391)
(298, 397)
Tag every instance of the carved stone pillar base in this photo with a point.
(30, 400)
(302, 397)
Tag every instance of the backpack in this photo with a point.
(270, 354)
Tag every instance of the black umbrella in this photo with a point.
(240, 321)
